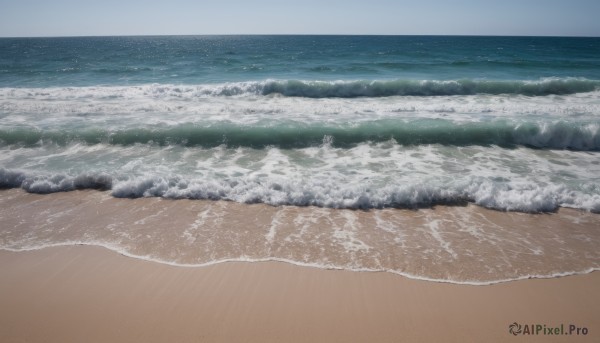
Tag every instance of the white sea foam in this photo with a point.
(172, 104)
(364, 177)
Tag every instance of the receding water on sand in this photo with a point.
(459, 244)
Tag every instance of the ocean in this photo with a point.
(368, 123)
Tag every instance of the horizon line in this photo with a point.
(302, 34)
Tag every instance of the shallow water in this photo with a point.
(458, 244)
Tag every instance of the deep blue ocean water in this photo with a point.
(192, 60)
(510, 123)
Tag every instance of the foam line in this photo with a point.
(124, 252)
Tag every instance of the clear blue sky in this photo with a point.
(166, 17)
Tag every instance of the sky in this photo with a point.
(34, 18)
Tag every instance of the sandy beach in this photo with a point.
(90, 294)
(58, 285)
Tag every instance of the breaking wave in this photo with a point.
(317, 89)
(522, 196)
(292, 134)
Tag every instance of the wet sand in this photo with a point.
(91, 294)
(465, 244)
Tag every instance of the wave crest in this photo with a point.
(522, 197)
(291, 134)
(352, 89)
(316, 89)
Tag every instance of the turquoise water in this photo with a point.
(509, 123)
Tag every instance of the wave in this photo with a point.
(352, 89)
(319, 89)
(44, 184)
(499, 195)
(292, 134)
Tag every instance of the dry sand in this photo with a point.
(91, 294)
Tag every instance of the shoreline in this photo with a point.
(460, 245)
(85, 293)
(296, 264)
